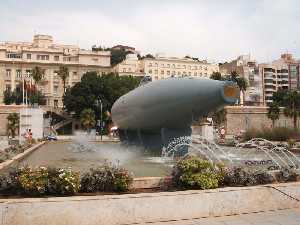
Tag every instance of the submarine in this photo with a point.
(156, 112)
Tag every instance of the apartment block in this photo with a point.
(17, 59)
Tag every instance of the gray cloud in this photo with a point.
(216, 30)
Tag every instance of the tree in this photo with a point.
(107, 87)
(87, 119)
(216, 76)
(9, 98)
(280, 96)
(37, 74)
(240, 81)
(13, 121)
(219, 117)
(63, 73)
(273, 112)
(292, 106)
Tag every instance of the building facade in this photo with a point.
(280, 74)
(129, 66)
(164, 67)
(247, 68)
(17, 59)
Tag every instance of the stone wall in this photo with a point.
(148, 207)
(5, 110)
(245, 117)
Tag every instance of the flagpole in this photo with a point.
(23, 91)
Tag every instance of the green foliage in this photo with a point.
(40, 181)
(87, 118)
(63, 73)
(292, 106)
(37, 74)
(118, 55)
(275, 134)
(9, 98)
(273, 112)
(106, 178)
(216, 76)
(16, 97)
(33, 182)
(219, 117)
(13, 121)
(63, 181)
(108, 88)
(242, 177)
(196, 173)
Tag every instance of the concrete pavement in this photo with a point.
(278, 217)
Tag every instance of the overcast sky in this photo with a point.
(211, 29)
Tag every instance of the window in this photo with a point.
(168, 72)
(195, 74)
(150, 64)
(8, 72)
(56, 58)
(8, 87)
(162, 72)
(28, 73)
(28, 56)
(184, 66)
(190, 73)
(75, 74)
(55, 89)
(156, 64)
(150, 71)
(190, 67)
(124, 70)
(178, 73)
(19, 74)
(162, 65)
(168, 65)
(173, 66)
(42, 57)
(13, 55)
(155, 71)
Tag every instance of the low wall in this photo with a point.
(19, 157)
(245, 117)
(146, 208)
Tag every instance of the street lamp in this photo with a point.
(99, 102)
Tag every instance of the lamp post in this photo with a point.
(99, 101)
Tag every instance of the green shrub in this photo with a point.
(106, 178)
(63, 181)
(275, 134)
(242, 177)
(9, 183)
(196, 173)
(33, 181)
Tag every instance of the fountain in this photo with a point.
(256, 152)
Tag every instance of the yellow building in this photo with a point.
(163, 67)
(17, 59)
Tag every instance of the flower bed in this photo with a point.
(13, 150)
(50, 181)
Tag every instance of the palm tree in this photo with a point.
(292, 106)
(240, 81)
(37, 74)
(63, 73)
(273, 112)
(87, 119)
(13, 121)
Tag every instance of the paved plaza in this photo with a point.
(279, 217)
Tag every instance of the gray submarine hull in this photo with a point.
(157, 112)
